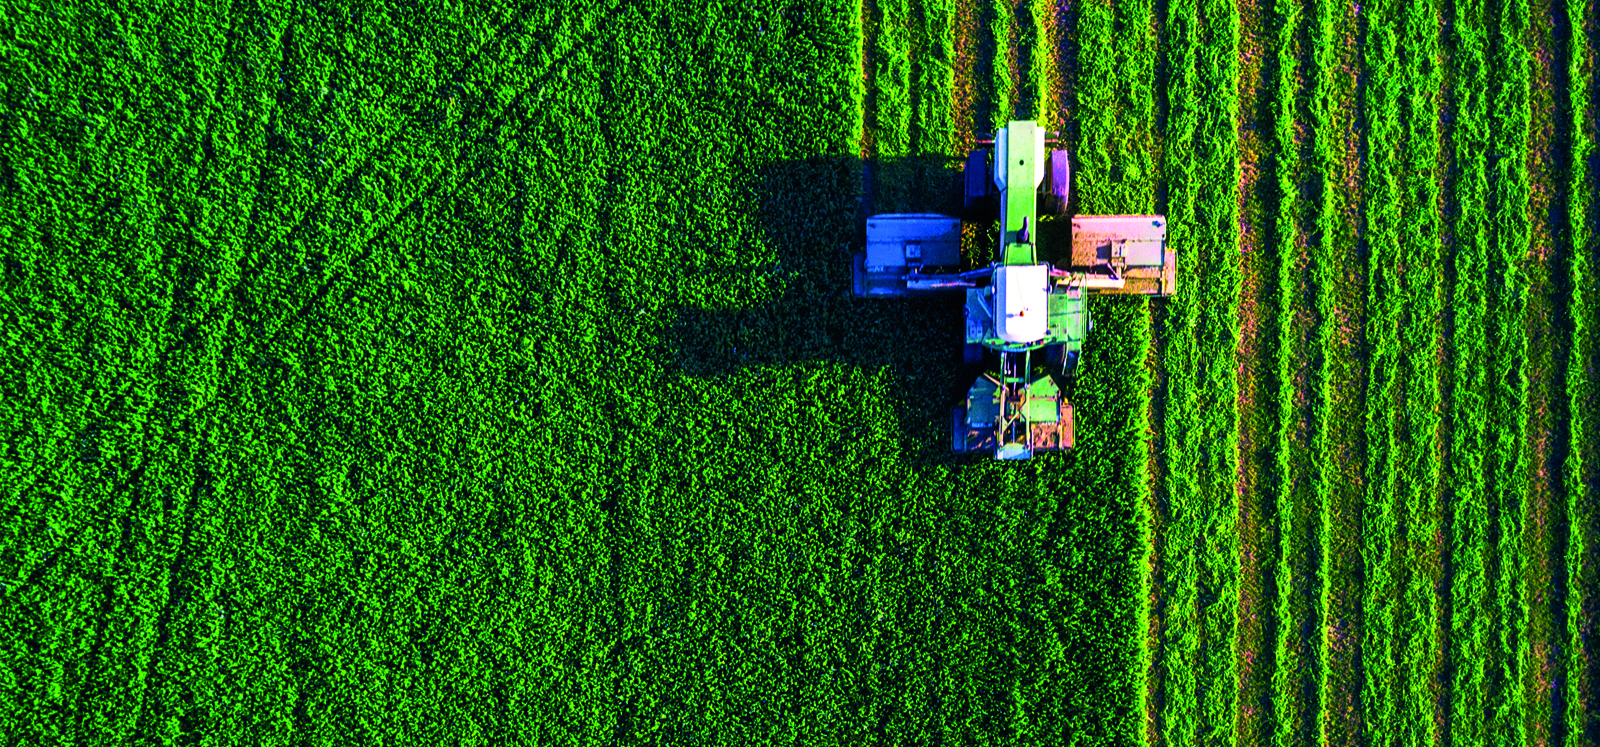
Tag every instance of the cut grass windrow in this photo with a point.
(1033, 101)
(1216, 242)
(934, 71)
(1380, 104)
(1507, 463)
(1288, 675)
(1181, 637)
(1580, 505)
(1418, 457)
(1096, 108)
(1466, 491)
(1115, 96)
(1327, 244)
(1114, 175)
(891, 79)
(1002, 84)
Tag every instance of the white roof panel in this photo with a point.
(1019, 295)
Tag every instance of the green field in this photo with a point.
(385, 374)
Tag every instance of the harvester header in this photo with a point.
(1026, 319)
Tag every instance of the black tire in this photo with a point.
(1053, 196)
(980, 201)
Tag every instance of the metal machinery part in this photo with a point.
(1030, 315)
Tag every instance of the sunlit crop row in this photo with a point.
(1581, 513)
(1288, 708)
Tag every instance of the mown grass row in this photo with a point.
(1380, 694)
(1219, 278)
(1201, 546)
(1116, 99)
(1418, 455)
(1327, 275)
(1288, 709)
(1467, 489)
(1506, 459)
(1003, 88)
(1181, 637)
(891, 79)
(1580, 504)
(1113, 174)
(934, 72)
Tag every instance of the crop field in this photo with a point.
(389, 373)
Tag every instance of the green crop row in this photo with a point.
(1115, 97)
(934, 71)
(1095, 109)
(1003, 88)
(1202, 326)
(1506, 461)
(1327, 270)
(1287, 676)
(891, 79)
(1380, 694)
(1033, 54)
(1112, 98)
(1181, 637)
(1467, 490)
(1580, 503)
(1218, 329)
(1417, 457)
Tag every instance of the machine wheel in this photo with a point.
(1057, 184)
(979, 200)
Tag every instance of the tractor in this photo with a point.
(1026, 318)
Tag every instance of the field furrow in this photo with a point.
(1254, 490)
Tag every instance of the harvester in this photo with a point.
(1026, 319)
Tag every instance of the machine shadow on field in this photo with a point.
(812, 213)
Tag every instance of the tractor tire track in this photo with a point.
(432, 190)
(210, 314)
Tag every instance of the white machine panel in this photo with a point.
(1019, 295)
